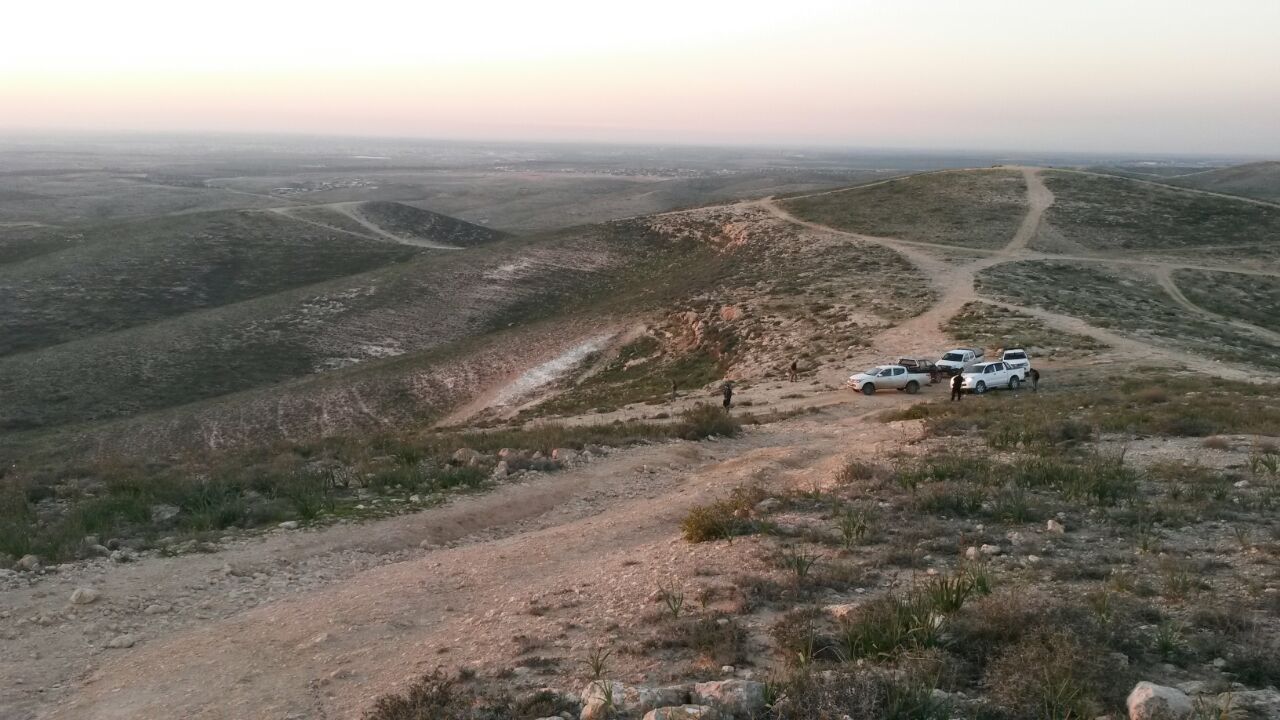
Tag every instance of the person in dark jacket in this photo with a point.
(957, 387)
(1034, 374)
(727, 390)
(794, 371)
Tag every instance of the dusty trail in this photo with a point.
(349, 210)
(954, 284)
(1038, 200)
(587, 546)
(1178, 188)
(1164, 275)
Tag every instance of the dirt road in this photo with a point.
(315, 624)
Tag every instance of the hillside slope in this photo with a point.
(1259, 180)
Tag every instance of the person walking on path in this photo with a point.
(794, 371)
(727, 391)
(957, 387)
(1035, 378)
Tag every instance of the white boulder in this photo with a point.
(742, 698)
(1149, 701)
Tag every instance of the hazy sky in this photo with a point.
(1114, 75)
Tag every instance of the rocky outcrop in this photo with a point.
(739, 698)
(1149, 701)
(627, 699)
(683, 712)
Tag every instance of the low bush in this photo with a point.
(869, 695)
(441, 697)
(704, 420)
(723, 519)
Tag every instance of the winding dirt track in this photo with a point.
(954, 284)
(351, 211)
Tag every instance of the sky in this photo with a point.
(1117, 76)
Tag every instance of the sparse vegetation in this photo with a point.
(967, 208)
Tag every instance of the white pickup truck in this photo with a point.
(992, 375)
(886, 377)
(959, 360)
(1016, 357)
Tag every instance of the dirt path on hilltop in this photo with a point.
(1164, 275)
(557, 560)
(954, 284)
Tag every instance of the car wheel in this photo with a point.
(980, 388)
(913, 387)
(1013, 383)
(868, 389)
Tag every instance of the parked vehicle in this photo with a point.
(959, 360)
(885, 377)
(921, 365)
(992, 375)
(1016, 357)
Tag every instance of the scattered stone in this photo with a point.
(426, 545)
(466, 456)
(971, 553)
(27, 563)
(768, 505)
(501, 470)
(415, 499)
(1149, 701)
(841, 611)
(157, 609)
(163, 513)
(1241, 484)
(122, 555)
(1055, 527)
(83, 596)
(564, 455)
(99, 550)
(743, 698)
(1194, 687)
(991, 550)
(120, 642)
(1252, 703)
(288, 525)
(683, 712)
(627, 699)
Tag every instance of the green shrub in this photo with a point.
(723, 519)
(704, 420)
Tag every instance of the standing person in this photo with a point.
(673, 391)
(1035, 378)
(794, 371)
(727, 391)
(957, 387)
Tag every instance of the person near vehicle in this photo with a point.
(957, 387)
(1034, 374)
(794, 371)
(727, 391)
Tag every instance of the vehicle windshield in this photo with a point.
(953, 357)
(1018, 355)
(873, 371)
